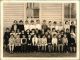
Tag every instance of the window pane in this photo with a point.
(36, 13)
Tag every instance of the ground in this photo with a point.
(39, 54)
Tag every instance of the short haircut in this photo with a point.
(32, 21)
(55, 22)
(7, 28)
(20, 21)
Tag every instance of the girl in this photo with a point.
(65, 43)
(26, 26)
(53, 31)
(11, 43)
(17, 43)
(39, 43)
(23, 43)
(49, 39)
(44, 43)
(54, 43)
(35, 42)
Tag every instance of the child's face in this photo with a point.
(29, 36)
(22, 31)
(49, 36)
(21, 23)
(26, 22)
(23, 36)
(65, 35)
(7, 30)
(12, 36)
(27, 31)
(59, 36)
(32, 23)
(15, 22)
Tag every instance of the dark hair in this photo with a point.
(7, 28)
(55, 22)
(32, 21)
(20, 21)
(49, 21)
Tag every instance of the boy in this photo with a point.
(21, 25)
(50, 25)
(26, 26)
(44, 43)
(54, 43)
(60, 44)
(6, 37)
(60, 26)
(23, 43)
(72, 27)
(29, 43)
(11, 43)
(35, 43)
(38, 25)
(14, 26)
(44, 26)
(49, 39)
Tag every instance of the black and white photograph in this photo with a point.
(40, 29)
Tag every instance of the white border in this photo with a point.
(23, 58)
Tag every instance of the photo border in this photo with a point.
(47, 58)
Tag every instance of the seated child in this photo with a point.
(60, 44)
(11, 43)
(65, 43)
(44, 43)
(39, 43)
(54, 43)
(6, 37)
(35, 42)
(72, 44)
(49, 39)
(17, 43)
(23, 43)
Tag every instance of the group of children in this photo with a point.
(37, 37)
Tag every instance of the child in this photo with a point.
(11, 43)
(53, 31)
(21, 25)
(49, 39)
(44, 43)
(35, 42)
(50, 25)
(39, 43)
(6, 37)
(37, 32)
(32, 25)
(38, 25)
(27, 33)
(32, 33)
(60, 26)
(72, 27)
(65, 43)
(22, 33)
(29, 43)
(23, 43)
(54, 43)
(17, 43)
(14, 26)
(44, 26)
(60, 44)
(67, 25)
(26, 26)
(72, 44)
(55, 25)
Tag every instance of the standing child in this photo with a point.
(38, 25)
(11, 43)
(26, 26)
(60, 26)
(23, 43)
(65, 43)
(50, 25)
(44, 43)
(72, 27)
(6, 37)
(21, 25)
(54, 43)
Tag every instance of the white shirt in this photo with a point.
(60, 28)
(44, 41)
(32, 27)
(65, 40)
(38, 26)
(26, 27)
(66, 27)
(54, 41)
(34, 40)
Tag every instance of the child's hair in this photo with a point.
(26, 21)
(54, 35)
(32, 21)
(66, 22)
(37, 20)
(20, 21)
(44, 20)
(11, 35)
(53, 29)
(15, 21)
(49, 21)
(55, 22)
(7, 28)
(72, 22)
